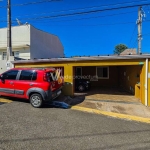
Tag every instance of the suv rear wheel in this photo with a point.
(36, 100)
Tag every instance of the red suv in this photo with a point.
(37, 85)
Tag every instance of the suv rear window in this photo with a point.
(28, 75)
(51, 76)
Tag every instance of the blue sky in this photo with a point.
(86, 34)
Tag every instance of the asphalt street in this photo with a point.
(23, 127)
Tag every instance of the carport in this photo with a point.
(130, 73)
(111, 82)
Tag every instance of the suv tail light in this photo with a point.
(45, 78)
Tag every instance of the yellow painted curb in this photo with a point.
(5, 100)
(111, 114)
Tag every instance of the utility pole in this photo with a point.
(9, 44)
(139, 23)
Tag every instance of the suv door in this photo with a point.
(26, 80)
(7, 84)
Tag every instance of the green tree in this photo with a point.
(120, 48)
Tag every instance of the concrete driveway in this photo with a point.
(23, 127)
(112, 100)
(108, 94)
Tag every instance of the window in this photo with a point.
(10, 75)
(16, 54)
(28, 75)
(103, 72)
(78, 71)
(4, 56)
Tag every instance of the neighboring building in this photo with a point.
(129, 52)
(29, 43)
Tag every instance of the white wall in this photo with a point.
(20, 36)
(45, 45)
(31, 43)
(23, 52)
(3, 66)
(20, 40)
(0, 55)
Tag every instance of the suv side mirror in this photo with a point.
(2, 78)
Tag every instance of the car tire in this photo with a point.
(81, 88)
(36, 100)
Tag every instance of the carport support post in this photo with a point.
(146, 83)
(68, 80)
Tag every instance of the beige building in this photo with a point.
(29, 43)
(129, 52)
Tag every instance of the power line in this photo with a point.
(94, 24)
(93, 7)
(70, 9)
(43, 1)
(81, 13)
(132, 35)
(134, 43)
(87, 17)
(98, 24)
(109, 24)
(146, 34)
(86, 12)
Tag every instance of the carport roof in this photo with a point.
(86, 58)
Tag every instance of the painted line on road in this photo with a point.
(5, 100)
(111, 114)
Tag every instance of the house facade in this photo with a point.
(29, 43)
(129, 72)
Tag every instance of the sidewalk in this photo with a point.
(127, 109)
(121, 107)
